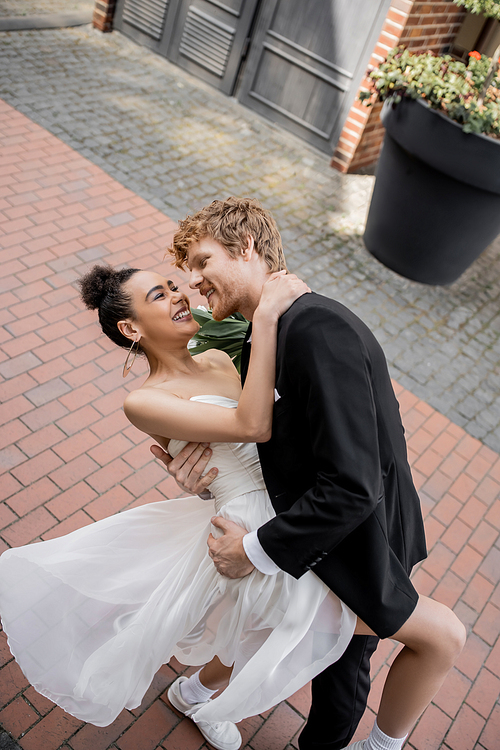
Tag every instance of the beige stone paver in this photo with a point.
(23, 8)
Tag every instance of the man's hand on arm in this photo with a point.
(188, 466)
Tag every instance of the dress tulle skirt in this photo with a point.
(91, 616)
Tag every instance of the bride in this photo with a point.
(91, 616)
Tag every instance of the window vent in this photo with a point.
(206, 41)
(146, 15)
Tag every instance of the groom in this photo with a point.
(336, 467)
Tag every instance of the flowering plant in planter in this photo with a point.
(468, 94)
(487, 8)
(436, 201)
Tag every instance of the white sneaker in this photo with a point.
(359, 745)
(223, 735)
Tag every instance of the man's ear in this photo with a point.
(128, 329)
(248, 250)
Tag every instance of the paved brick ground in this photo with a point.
(178, 143)
(68, 457)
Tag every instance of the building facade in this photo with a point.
(300, 64)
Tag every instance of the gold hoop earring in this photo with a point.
(126, 366)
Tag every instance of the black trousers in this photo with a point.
(339, 696)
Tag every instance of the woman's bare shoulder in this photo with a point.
(145, 396)
(217, 359)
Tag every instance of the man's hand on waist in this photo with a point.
(227, 551)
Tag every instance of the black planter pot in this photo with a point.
(436, 201)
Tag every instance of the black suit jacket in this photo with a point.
(336, 466)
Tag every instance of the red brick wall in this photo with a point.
(420, 27)
(103, 15)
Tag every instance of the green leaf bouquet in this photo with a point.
(227, 335)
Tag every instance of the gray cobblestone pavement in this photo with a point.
(180, 144)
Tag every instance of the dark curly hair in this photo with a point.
(102, 289)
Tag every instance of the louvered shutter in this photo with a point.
(206, 41)
(146, 15)
(209, 39)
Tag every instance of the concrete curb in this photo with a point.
(49, 21)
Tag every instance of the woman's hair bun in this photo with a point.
(102, 289)
(94, 286)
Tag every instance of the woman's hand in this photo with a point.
(188, 466)
(278, 293)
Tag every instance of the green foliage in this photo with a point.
(226, 335)
(488, 8)
(446, 84)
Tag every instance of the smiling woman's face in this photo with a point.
(162, 312)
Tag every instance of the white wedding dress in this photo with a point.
(91, 616)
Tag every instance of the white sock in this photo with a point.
(380, 741)
(193, 691)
